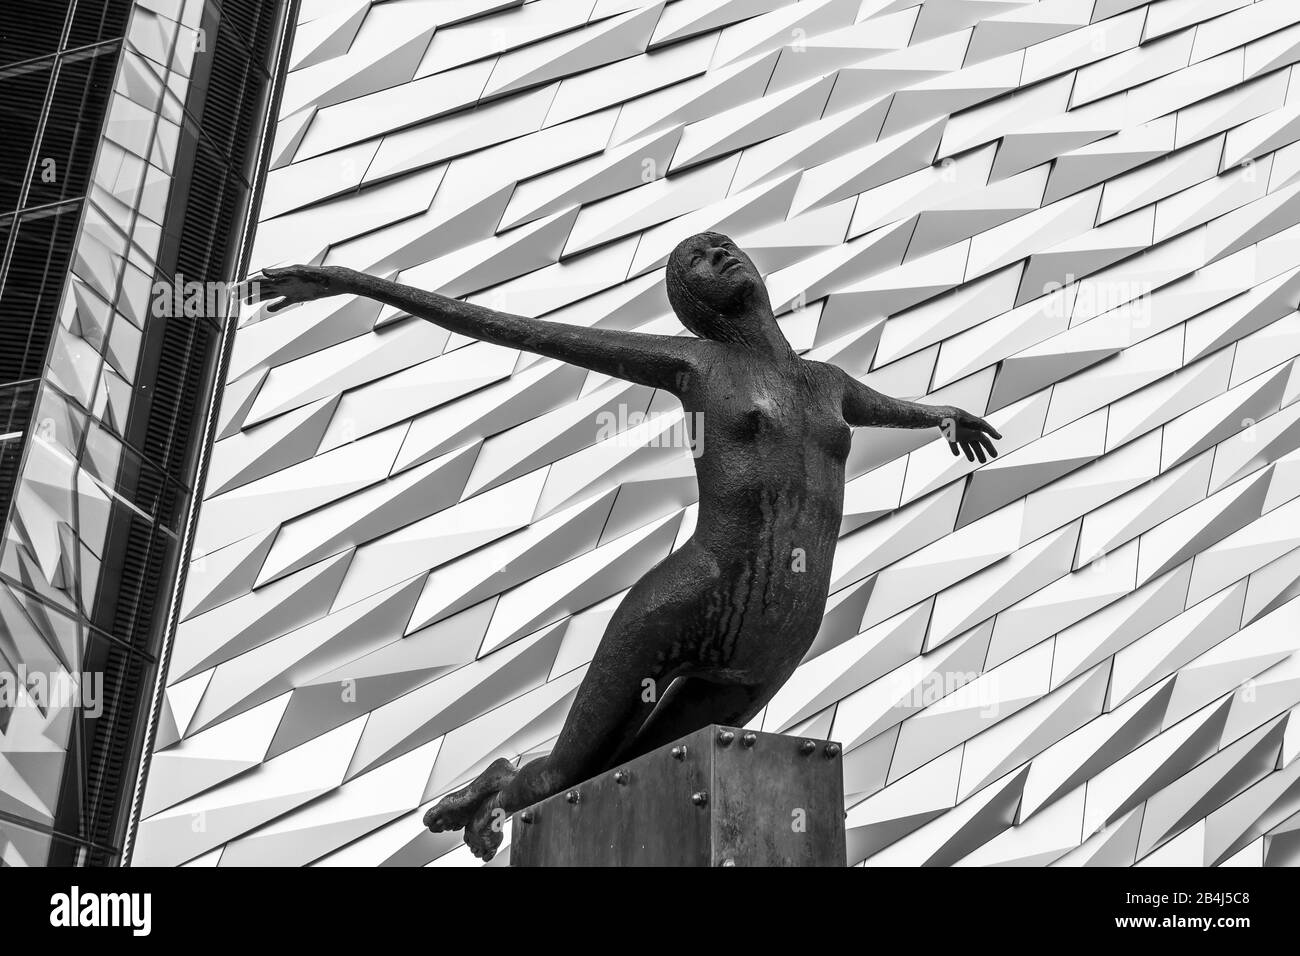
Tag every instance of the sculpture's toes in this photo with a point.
(452, 812)
(484, 833)
(456, 810)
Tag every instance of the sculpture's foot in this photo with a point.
(484, 834)
(457, 810)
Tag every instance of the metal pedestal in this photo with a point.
(718, 797)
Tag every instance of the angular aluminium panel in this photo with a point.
(1079, 217)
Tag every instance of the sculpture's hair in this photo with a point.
(701, 318)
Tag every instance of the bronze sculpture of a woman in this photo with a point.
(720, 624)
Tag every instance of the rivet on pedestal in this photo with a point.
(679, 753)
(832, 751)
(621, 776)
(725, 737)
(700, 798)
(749, 739)
(572, 796)
(806, 747)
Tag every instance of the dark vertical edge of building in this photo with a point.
(225, 142)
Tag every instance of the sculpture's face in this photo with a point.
(711, 285)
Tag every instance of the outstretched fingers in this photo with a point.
(270, 284)
(983, 426)
(975, 443)
(284, 303)
(253, 290)
(290, 284)
(260, 288)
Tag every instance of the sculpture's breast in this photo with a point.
(761, 419)
(836, 437)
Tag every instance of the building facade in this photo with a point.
(1078, 218)
(132, 132)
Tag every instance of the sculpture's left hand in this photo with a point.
(295, 284)
(969, 433)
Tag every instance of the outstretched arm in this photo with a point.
(661, 361)
(863, 405)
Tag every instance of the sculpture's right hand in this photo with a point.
(295, 284)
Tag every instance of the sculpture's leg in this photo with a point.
(614, 699)
(693, 702)
(650, 640)
(611, 705)
(609, 709)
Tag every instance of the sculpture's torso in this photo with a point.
(771, 484)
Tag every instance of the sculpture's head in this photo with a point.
(714, 287)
